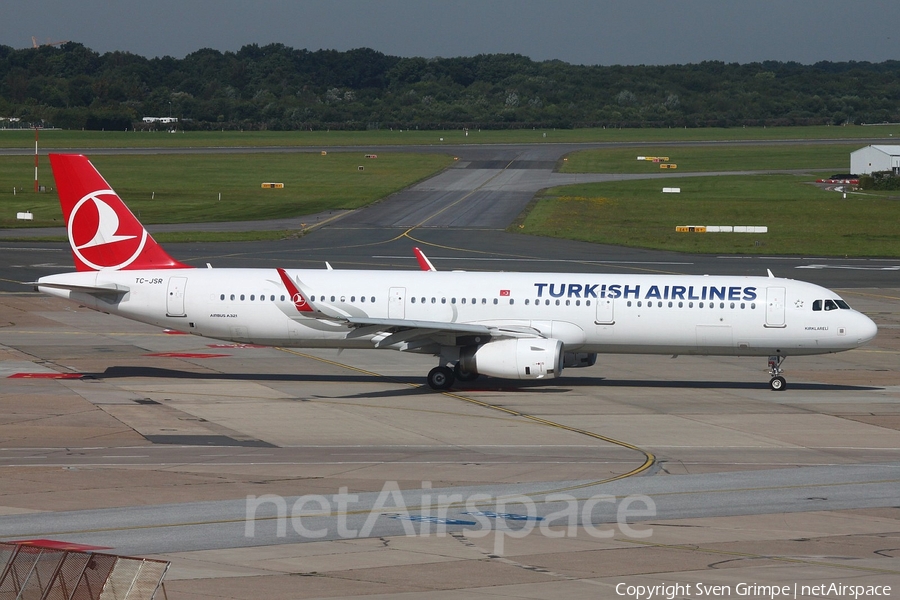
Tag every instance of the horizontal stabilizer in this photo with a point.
(97, 290)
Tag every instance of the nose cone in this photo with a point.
(866, 329)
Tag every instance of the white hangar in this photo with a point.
(875, 158)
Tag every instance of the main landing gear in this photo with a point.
(777, 383)
(441, 378)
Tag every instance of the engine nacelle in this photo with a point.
(517, 358)
(577, 360)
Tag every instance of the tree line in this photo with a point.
(276, 87)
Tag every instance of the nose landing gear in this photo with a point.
(777, 383)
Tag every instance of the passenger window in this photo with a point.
(578, 303)
(443, 301)
(629, 303)
(463, 300)
(413, 300)
(242, 297)
(587, 302)
(352, 298)
(495, 301)
(222, 297)
(830, 305)
(670, 304)
(362, 298)
(511, 301)
(332, 298)
(659, 304)
(681, 305)
(753, 305)
(282, 297)
(452, 300)
(817, 305)
(701, 305)
(639, 304)
(690, 305)
(742, 305)
(568, 302)
(547, 302)
(732, 305)
(557, 302)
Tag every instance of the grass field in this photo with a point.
(802, 218)
(831, 157)
(57, 139)
(185, 188)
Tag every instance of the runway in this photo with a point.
(150, 454)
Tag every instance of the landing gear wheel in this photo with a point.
(464, 375)
(777, 383)
(441, 378)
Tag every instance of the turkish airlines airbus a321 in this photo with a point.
(508, 325)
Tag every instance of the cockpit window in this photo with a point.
(830, 304)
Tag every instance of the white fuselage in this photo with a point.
(647, 314)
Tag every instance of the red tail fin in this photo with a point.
(103, 233)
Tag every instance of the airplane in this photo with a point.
(506, 325)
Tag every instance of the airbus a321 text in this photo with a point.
(507, 325)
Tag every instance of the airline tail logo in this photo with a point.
(99, 238)
(103, 233)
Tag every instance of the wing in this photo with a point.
(415, 334)
(404, 334)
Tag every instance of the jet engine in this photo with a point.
(518, 358)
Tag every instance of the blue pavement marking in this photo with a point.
(508, 516)
(438, 520)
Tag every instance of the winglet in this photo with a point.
(103, 233)
(769, 271)
(297, 298)
(424, 263)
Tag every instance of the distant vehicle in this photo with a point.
(845, 178)
(507, 325)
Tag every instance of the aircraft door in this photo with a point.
(775, 307)
(175, 297)
(397, 303)
(605, 313)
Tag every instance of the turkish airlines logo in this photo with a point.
(102, 238)
(299, 300)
